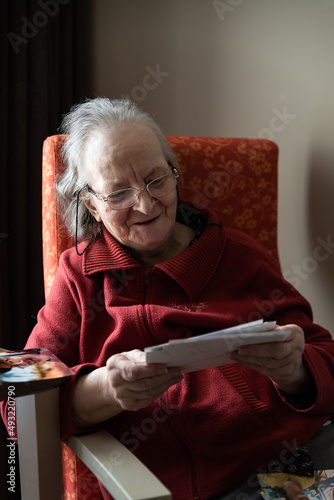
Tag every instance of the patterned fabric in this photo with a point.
(235, 177)
(54, 236)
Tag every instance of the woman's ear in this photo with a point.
(93, 209)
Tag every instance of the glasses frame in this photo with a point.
(100, 197)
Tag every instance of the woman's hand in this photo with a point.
(133, 384)
(293, 490)
(281, 361)
(125, 383)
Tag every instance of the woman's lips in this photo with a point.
(146, 222)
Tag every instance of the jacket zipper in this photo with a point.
(178, 438)
(164, 400)
(147, 273)
(144, 317)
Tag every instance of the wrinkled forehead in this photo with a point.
(129, 145)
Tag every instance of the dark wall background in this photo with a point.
(45, 67)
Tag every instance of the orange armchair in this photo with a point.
(236, 177)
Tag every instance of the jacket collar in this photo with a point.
(192, 269)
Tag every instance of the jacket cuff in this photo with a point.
(66, 397)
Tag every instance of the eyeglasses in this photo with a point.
(126, 198)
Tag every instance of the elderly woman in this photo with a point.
(149, 270)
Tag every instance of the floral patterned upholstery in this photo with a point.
(236, 177)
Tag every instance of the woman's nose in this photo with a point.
(144, 201)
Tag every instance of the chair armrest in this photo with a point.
(38, 428)
(124, 476)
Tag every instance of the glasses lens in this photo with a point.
(122, 199)
(162, 186)
(157, 188)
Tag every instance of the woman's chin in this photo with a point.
(151, 244)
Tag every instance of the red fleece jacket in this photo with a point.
(219, 425)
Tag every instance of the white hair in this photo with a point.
(84, 120)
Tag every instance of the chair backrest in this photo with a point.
(235, 177)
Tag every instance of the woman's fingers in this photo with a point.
(281, 361)
(134, 384)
